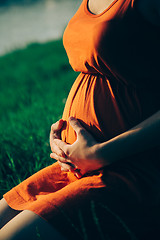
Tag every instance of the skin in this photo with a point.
(18, 225)
(150, 9)
(88, 155)
(98, 6)
(85, 154)
(66, 153)
(6, 213)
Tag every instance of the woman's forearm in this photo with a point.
(140, 138)
(88, 155)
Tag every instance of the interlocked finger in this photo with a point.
(56, 126)
(63, 146)
(66, 167)
(59, 158)
(55, 149)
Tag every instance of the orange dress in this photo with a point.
(117, 54)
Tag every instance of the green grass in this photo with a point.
(34, 84)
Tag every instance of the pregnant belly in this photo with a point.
(92, 101)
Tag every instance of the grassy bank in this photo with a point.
(34, 84)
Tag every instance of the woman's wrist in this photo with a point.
(103, 154)
(140, 138)
(118, 147)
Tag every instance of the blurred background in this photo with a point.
(35, 79)
(25, 21)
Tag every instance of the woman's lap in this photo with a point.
(118, 197)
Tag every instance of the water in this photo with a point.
(38, 22)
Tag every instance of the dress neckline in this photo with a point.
(86, 8)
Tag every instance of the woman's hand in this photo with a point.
(82, 153)
(55, 134)
(88, 155)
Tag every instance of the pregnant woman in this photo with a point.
(106, 181)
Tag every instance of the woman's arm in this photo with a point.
(88, 155)
(140, 138)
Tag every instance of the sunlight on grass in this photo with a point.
(34, 84)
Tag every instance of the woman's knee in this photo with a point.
(28, 225)
(6, 212)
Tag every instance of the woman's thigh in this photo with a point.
(28, 225)
(6, 212)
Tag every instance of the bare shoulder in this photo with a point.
(150, 9)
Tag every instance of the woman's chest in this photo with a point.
(98, 6)
(86, 36)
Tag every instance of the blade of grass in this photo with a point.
(131, 234)
(95, 218)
